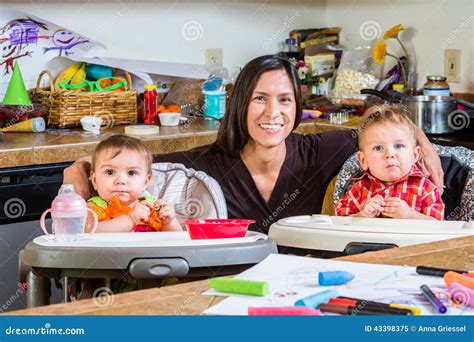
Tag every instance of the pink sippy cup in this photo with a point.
(69, 214)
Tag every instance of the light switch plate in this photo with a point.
(452, 65)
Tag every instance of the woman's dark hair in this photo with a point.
(233, 133)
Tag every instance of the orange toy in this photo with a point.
(115, 208)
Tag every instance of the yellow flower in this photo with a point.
(393, 31)
(380, 49)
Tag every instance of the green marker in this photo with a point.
(248, 287)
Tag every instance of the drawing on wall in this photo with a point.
(65, 40)
(16, 36)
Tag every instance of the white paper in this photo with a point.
(34, 43)
(291, 278)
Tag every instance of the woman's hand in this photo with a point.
(78, 175)
(430, 163)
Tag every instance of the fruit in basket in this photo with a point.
(70, 72)
(119, 80)
(79, 76)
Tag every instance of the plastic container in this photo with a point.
(150, 116)
(217, 228)
(436, 86)
(69, 213)
(169, 119)
(214, 104)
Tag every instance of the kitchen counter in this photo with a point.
(186, 298)
(67, 145)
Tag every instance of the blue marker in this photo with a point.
(334, 278)
(434, 301)
(315, 300)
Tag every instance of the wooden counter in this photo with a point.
(186, 299)
(67, 145)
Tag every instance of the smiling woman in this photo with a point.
(266, 171)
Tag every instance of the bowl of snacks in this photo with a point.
(217, 228)
(169, 119)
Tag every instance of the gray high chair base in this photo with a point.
(194, 195)
(40, 264)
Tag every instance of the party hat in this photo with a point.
(16, 93)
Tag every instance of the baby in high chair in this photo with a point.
(392, 184)
(120, 173)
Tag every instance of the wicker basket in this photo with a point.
(67, 107)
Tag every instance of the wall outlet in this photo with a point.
(213, 56)
(452, 65)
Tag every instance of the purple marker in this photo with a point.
(434, 301)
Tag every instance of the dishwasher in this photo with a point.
(25, 192)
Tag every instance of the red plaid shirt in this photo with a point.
(420, 194)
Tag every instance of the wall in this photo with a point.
(433, 26)
(179, 31)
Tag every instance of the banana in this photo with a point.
(79, 76)
(69, 73)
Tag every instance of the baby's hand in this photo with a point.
(165, 211)
(140, 211)
(397, 208)
(372, 207)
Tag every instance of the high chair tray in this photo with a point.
(335, 233)
(106, 255)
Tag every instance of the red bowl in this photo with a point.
(217, 228)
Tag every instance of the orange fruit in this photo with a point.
(161, 109)
(173, 108)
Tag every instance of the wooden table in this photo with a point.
(186, 299)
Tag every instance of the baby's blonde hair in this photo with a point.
(119, 143)
(386, 114)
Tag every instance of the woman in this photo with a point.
(267, 172)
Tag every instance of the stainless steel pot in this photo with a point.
(433, 114)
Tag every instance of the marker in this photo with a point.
(355, 311)
(451, 277)
(283, 311)
(315, 300)
(334, 278)
(248, 287)
(434, 301)
(389, 308)
(434, 271)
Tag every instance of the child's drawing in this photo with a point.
(15, 37)
(64, 40)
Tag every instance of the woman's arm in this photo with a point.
(431, 163)
(78, 175)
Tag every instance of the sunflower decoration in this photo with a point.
(380, 51)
